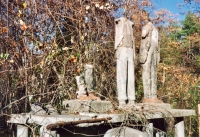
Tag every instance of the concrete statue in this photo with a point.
(125, 54)
(149, 58)
(85, 84)
(89, 77)
(81, 86)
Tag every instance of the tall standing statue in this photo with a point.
(125, 54)
(149, 57)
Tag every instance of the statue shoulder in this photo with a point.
(155, 34)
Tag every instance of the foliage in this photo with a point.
(190, 24)
(178, 72)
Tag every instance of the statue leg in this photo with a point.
(146, 74)
(150, 77)
(154, 76)
(146, 79)
(131, 76)
(121, 54)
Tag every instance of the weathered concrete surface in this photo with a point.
(81, 86)
(179, 129)
(75, 114)
(89, 82)
(117, 116)
(160, 134)
(131, 113)
(47, 133)
(149, 58)
(97, 106)
(155, 105)
(85, 81)
(44, 119)
(22, 131)
(125, 132)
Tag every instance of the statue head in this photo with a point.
(146, 29)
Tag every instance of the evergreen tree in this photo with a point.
(190, 24)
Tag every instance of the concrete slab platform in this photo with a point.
(154, 105)
(118, 116)
(72, 106)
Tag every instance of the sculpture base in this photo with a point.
(96, 106)
(88, 97)
(151, 100)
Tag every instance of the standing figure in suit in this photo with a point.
(125, 54)
(149, 58)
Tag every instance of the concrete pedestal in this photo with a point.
(22, 131)
(149, 129)
(179, 129)
(125, 132)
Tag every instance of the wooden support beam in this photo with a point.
(62, 124)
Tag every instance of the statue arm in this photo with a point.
(157, 48)
(158, 53)
(145, 42)
(119, 26)
(133, 46)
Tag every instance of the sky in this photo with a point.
(171, 5)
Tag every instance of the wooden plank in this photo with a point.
(62, 124)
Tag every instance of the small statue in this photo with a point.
(85, 84)
(149, 57)
(125, 54)
(81, 86)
